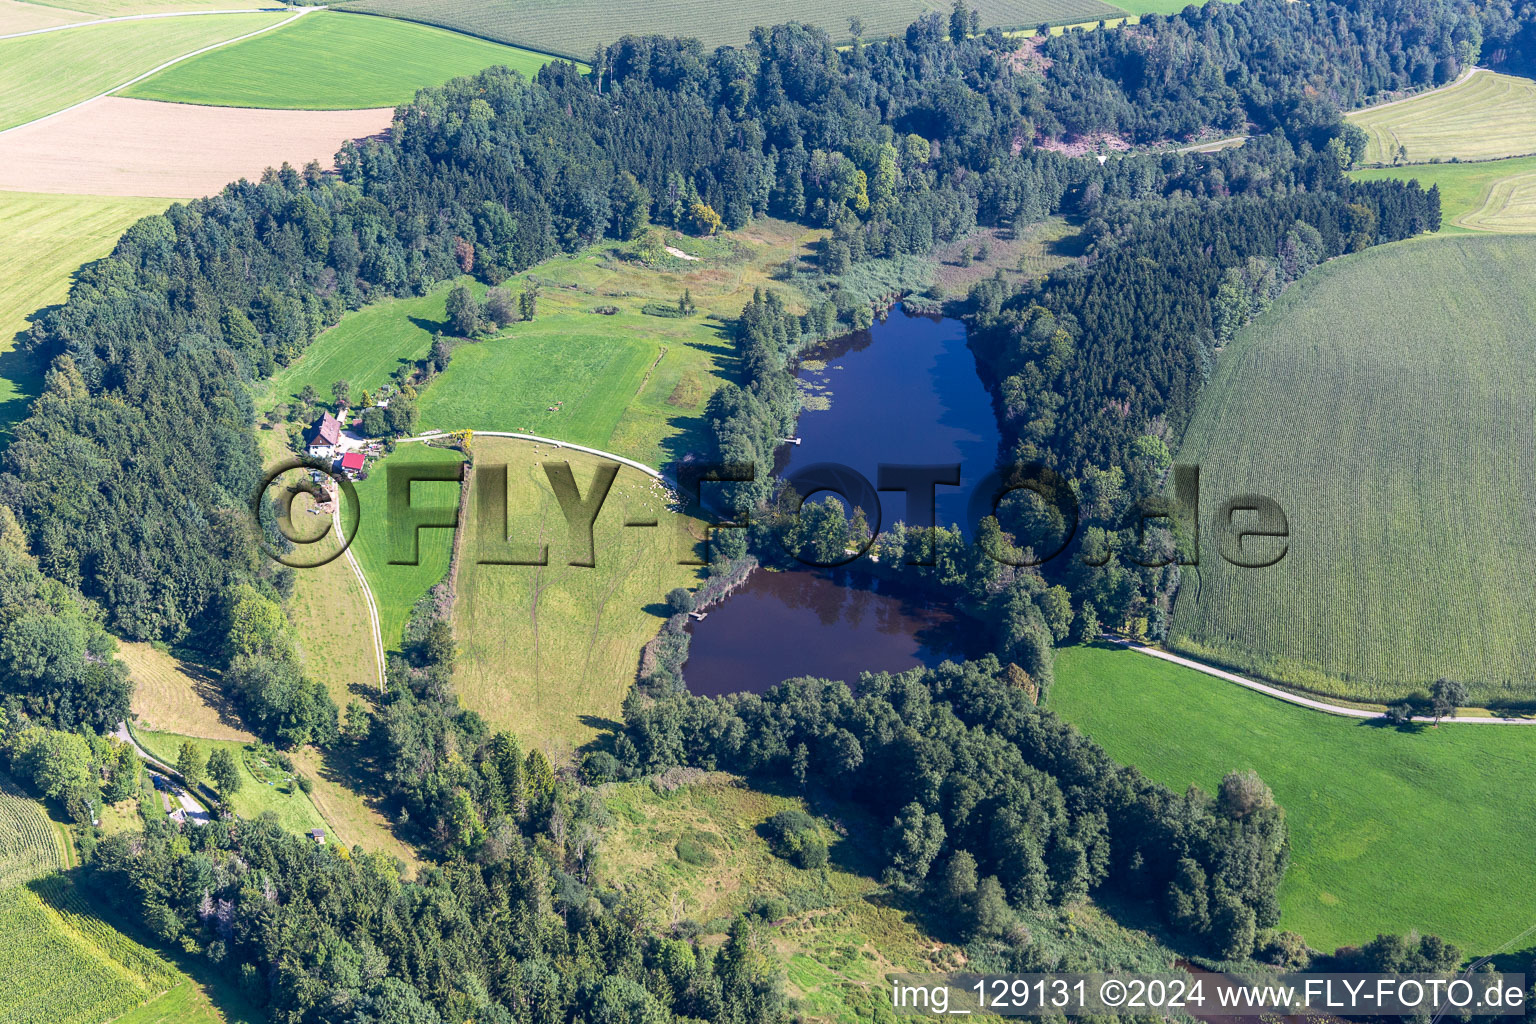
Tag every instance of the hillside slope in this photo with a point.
(1387, 403)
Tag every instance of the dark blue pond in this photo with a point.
(905, 391)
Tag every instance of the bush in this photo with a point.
(599, 767)
(772, 908)
(305, 785)
(795, 837)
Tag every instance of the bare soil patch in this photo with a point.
(121, 147)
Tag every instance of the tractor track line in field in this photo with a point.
(375, 632)
(175, 60)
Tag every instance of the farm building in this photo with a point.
(324, 438)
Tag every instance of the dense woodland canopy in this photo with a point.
(123, 496)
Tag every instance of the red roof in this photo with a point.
(352, 460)
(327, 431)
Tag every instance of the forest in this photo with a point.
(124, 495)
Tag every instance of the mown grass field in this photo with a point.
(843, 931)
(330, 61)
(1389, 830)
(1482, 118)
(171, 694)
(1387, 402)
(44, 239)
(550, 651)
(573, 28)
(1489, 195)
(397, 588)
(44, 73)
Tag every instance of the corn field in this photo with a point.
(29, 846)
(1388, 403)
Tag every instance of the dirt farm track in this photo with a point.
(121, 147)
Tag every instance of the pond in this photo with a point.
(905, 391)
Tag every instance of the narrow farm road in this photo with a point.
(298, 13)
(195, 812)
(141, 17)
(1293, 698)
(373, 608)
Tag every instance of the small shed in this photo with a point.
(352, 464)
(318, 835)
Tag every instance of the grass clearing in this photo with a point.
(842, 931)
(43, 241)
(573, 28)
(45, 73)
(172, 694)
(1387, 403)
(366, 347)
(549, 652)
(353, 819)
(1483, 117)
(630, 383)
(331, 61)
(1377, 816)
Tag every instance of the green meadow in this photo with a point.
(44, 73)
(1390, 830)
(43, 240)
(1487, 195)
(329, 61)
(397, 588)
(1387, 403)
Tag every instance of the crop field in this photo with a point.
(30, 846)
(1489, 195)
(545, 651)
(44, 240)
(1483, 117)
(1386, 403)
(42, 74)
(144, 148)
(329, 61)
(573, 28)
(1372, 810)
(397, 588)
(18, 16)
(63, 965)
(171, 694)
